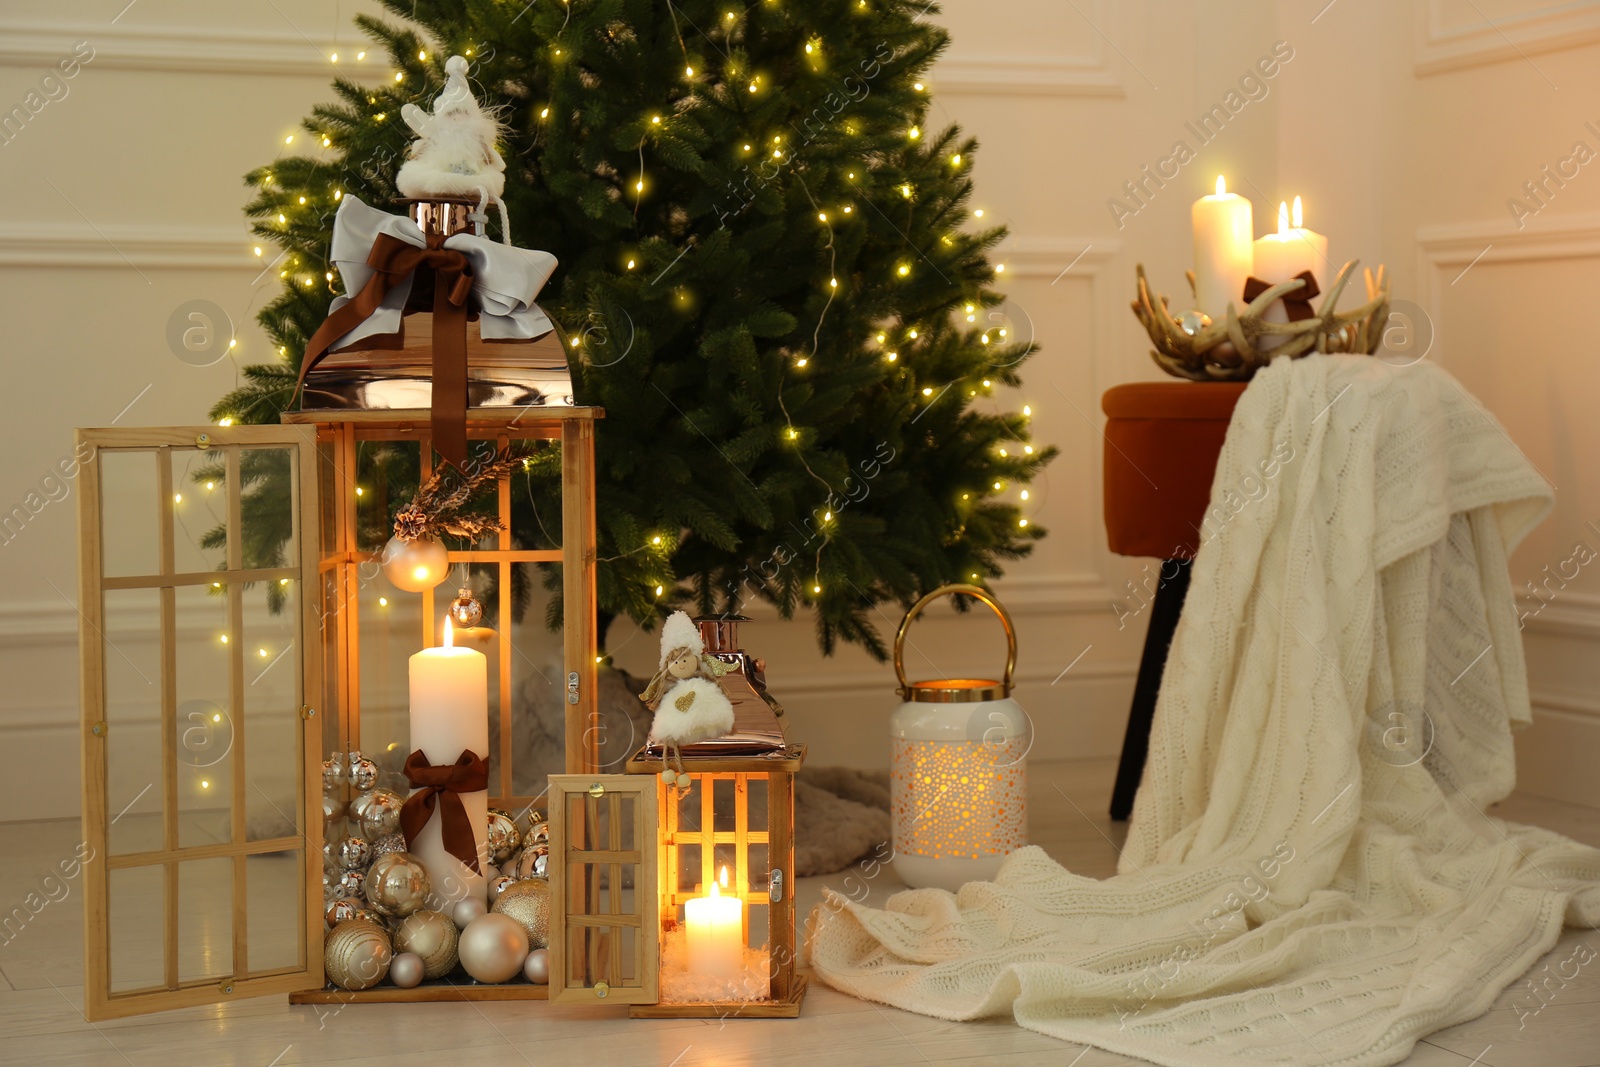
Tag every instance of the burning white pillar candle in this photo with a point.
(714, 933)
(450, 715)
(1222, 251)
(1284, 255)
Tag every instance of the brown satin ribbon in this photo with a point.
(393, 260)
(1297, 303)
(469, 774)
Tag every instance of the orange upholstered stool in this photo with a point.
(1162, 443)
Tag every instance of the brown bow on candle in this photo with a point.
(1297, 303)
(450, 273)
(469, 774)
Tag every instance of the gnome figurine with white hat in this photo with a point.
(454, 154)
(689, 704)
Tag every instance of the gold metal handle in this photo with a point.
(976, 593)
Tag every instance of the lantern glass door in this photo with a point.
(194, 643)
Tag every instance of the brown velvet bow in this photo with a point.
(1297, 303)
(469, 774)
(450, 274)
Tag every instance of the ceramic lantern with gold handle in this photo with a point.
(958, 780)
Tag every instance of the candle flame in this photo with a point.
(1222, 186)
(1283, 219)
(1297, 216)
(449, 635)
(724, 878)
(715, 892)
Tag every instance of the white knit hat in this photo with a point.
(679, 631)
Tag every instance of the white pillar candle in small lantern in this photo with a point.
(714, 932)
(958, 782)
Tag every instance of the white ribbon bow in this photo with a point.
(505, 279)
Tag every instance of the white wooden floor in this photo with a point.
(41, 976)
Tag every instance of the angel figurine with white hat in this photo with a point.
(689, 704)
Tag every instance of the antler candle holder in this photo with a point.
(1231, 350)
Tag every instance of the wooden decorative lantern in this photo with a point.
(231, 640)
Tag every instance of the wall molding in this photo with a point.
(180, 50)
(1564, 615)
(121, 246)
(1445, 253)
(1555, 27)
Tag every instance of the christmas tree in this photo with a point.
(771, 279)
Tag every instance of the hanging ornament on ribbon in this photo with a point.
(415, 558)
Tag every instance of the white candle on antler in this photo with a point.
(1284, 255)
(1222, 252)
(449, 715)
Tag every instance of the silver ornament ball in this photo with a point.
(536, 968)
(405, 970)
(380, 815)
(467, 910)
(503, 837)
(363, 773)
(465, 611)
(352, 884)
(333, 772)
(354, 853)
(397, 885)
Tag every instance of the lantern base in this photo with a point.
(780, 1008)
(428, 992)
(925, 872)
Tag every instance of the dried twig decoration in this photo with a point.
(1227, 350)
(436, 509)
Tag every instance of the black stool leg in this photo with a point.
(1164, 611)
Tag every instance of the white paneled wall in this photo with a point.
(1406, 128)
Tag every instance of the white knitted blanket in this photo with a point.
(1310, 876)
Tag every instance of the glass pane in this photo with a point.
(275, 911)
(688, 870)
(128, 517)
(271, 715)
(267, 512)
(137, 926)
(132, 656)
(390, 626)
(199, 512)
(205, 919)
(206, 724)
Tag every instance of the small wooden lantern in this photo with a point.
(229, 644)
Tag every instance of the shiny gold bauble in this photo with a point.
(493, 948)
(465, 611)
(528, 902)
(497, 885)
(415, 565)
(503, 837)
(432, 936)
(356, 954)
(397, 885)
(354, 853)
(338, 911)
(379, 813)
(532, 862)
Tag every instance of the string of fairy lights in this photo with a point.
(891, 340)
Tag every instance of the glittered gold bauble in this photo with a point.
(433, 937)
(415, 565)
(380, 815)
(503, 837)
(397, 885)
(493, 948)
(528, 902)
(467, 910)
(465, 611)
(354, 853)
(536, 968)
(405, 970)
(356, 954)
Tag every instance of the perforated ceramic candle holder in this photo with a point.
(958, 773)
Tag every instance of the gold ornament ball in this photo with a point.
(356, 954)
(405, 970)
(397, 885)
(528, 903)
(498, 886)
(503, 837)
(339, 910)
(415, 565)
(465, 611)
(531, 862)
(493, 948)
(380, 814)
(433, 937)
(465, 911)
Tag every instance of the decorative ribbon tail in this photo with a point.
(450, 290)
(440, 787)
